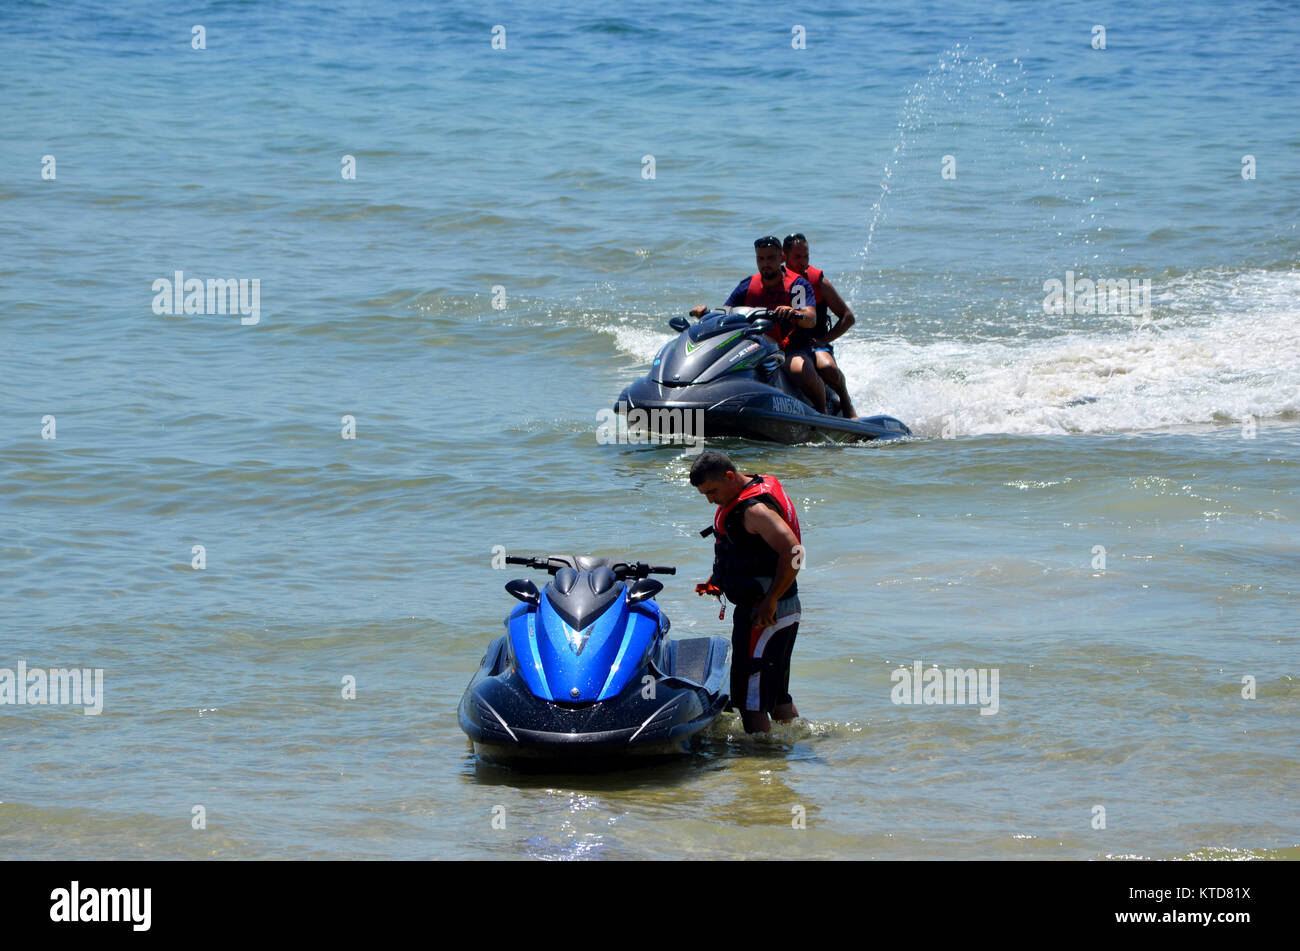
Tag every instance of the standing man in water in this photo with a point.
(813, 346)
(756, 555)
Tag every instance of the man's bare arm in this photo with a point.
(836, 305)
(764, 522)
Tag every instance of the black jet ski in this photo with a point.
(586, 673)
(727, 371)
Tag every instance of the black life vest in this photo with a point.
(740, 556)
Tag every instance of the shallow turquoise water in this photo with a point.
(1170, 440)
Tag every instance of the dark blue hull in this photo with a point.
(747, 408)
(685, 692)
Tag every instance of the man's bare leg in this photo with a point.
(784, 712)
(830, 372)
(804, 376)
(755, 722)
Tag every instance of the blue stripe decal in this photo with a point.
(618, 661)
(537, 658)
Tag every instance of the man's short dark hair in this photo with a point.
(711, 465)
(793, 239)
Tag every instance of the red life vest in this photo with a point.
(756, 295)
(759, 296)
(767, 489)
(814, 277)
(800, 337)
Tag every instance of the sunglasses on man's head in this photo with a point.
(770, 241)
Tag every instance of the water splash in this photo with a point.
(973, 108)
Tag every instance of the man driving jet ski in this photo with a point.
(789, 297)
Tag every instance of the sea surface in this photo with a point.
(1100, 507)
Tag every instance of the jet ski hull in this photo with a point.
(684, 693)
(747, 408)
(724, 376)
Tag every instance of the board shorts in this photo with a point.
(807, 352)
(760, 657)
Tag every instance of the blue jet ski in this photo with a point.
(727, 369)
(586, 672)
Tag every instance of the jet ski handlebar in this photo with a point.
(750, 314)
(762, 319)
(759, 319)
(622, 570)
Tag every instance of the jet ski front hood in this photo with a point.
(709, 350)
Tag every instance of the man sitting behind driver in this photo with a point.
(788, 296)
(814, 346)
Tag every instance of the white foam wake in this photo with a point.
(1219, 347)
(1217, 350)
